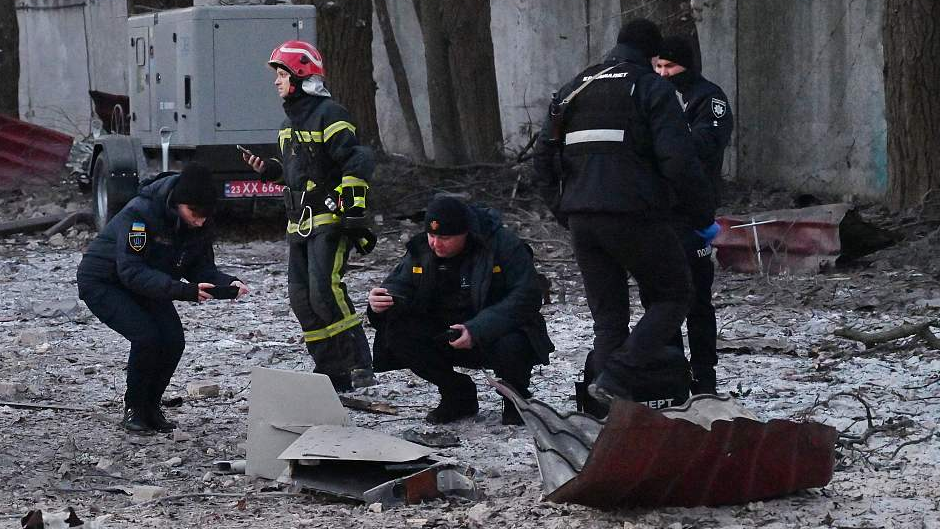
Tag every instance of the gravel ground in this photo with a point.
(779, 356)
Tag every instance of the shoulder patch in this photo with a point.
(137, 238)
(719, 107)
(417, 270)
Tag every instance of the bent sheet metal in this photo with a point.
(370, 466)
(710, 451)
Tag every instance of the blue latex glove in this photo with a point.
(709, 233)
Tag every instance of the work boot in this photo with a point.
(362, 378)
(703, 380)
(452, 410)
(511, 416)
(158, 421)
(134, 421)
(341, 383)
(605, 389)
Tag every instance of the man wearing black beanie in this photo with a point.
(708, 114)
(465, 294)
(616, 139)
(130, 275)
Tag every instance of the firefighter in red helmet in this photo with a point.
(326, 172)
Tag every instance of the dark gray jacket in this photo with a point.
(505, 295)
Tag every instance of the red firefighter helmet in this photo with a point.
(299, 58)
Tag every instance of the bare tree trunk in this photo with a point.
(9, 60)
(401, 79)
(911, 37)
(445, 121)
(344, 37)
(674, 17)
(462, 89)
(474, 73)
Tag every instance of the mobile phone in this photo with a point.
(448, 336)
(224, 292)
(244, 150)
(397, 298)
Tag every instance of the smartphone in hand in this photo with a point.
(244, 150)
(224, 292)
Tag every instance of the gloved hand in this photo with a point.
(355, 223)
(708, 234)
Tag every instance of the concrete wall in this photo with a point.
(391, 120)
(538, 45)
(716, 24)
(66, 48)
(810, 97)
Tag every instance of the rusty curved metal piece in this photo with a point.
(30, 153)
(709, 451)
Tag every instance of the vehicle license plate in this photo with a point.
(252, 188)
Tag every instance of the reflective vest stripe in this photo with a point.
(336, 127)
(317, 220)
(583, 136)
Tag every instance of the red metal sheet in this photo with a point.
(643, 458)
(30, 153)
(791, 241)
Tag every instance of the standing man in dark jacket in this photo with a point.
(708, 114)
(325, 170)
(465, 294)
(624, 155)
(130, 275)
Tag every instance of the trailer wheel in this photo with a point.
(111, 191)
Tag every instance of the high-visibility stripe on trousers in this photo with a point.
(318, 297)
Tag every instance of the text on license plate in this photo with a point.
(252, 188)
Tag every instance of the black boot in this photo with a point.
(158, 421)
(450, 410)
(704, 380)
(362, 378)
(341, 383)
(511, 415)
(605, 389)
(135, 422)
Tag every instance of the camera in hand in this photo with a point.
(224, 292)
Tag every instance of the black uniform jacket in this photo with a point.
(318, 143)
(504, 293)
(147, 248)
(709, 116)
(660, 174)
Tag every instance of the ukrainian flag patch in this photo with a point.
(138, 226)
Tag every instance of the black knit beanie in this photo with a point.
(447, 216)
(642, 34)
(678, 50)
(195, 188)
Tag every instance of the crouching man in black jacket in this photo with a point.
(463, 295)
(130, 275)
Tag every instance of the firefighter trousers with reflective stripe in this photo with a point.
(332, 330)
(151, 325)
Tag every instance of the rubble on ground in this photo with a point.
(780, 357)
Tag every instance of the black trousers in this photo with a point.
(413, 342)
(332, 330)
(151, 325)
(700, 322)
(611, 247)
